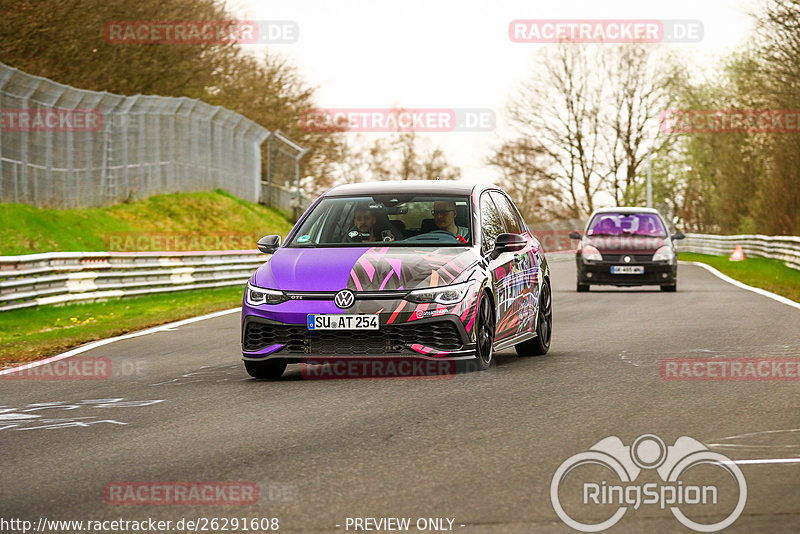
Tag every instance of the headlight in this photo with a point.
(442, 295)
(664, 254)
(591, 253)
(255, 296)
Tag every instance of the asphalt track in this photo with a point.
(479, 448)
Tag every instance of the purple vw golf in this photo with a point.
(437, 270)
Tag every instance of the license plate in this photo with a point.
(324, 321)
(627, 269)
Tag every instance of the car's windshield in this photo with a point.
(646, 224)
(392, 220)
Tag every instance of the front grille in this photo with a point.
(635, 258)
(388, 340)
(627, 279)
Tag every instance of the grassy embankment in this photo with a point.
(764, 273)
(34, 333)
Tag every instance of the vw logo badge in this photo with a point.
(344, 299)
(626, 259)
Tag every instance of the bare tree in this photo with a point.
(588, 113)
(642, 84)
(557, 112)
(523, 167)
(397, 156)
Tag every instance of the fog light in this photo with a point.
(588, 275)
(664, 275)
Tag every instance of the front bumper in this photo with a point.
(599, 273)
(427, 338)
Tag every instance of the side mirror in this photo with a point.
(269, 243)
(574, 235)
(678, 235)
(508, 243)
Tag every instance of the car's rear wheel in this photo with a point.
(544, 327)
(582, 288)
(670, 288)
(484, 333)
(268, 369)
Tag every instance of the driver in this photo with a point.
(607, 226)
(444, 215)
(364, 223)
(647, 228)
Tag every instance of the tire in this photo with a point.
(484, 333)
(671, 288)
(544, 327)
(267, 370)
(582, 288)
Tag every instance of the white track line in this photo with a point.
(765, 461)
(169, 326)
(737, 283)
(100, 343)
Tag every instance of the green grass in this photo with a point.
(772, 275)
(34, 333)
(26, 229)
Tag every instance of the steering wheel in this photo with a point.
(433, 235)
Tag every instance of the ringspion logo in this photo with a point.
(611, 478)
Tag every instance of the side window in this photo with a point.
(508, 213)
(491, 223)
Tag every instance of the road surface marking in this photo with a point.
(169, 327)
(737, 283)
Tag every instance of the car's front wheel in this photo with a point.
(582, 288)
(268, 369)
(484, 333)
(544, 327)
(670, 288)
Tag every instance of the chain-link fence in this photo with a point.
(66, 148)
(282, 187)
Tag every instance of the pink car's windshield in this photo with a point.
(392, 220)
(646, 224)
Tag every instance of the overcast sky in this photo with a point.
(456, 53)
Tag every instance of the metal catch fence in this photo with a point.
(64, 147)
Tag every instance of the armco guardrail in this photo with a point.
(59, 277)
(783, 248)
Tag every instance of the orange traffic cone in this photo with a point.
(738, 254)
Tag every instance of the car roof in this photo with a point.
(443, 187)
(626, 210)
